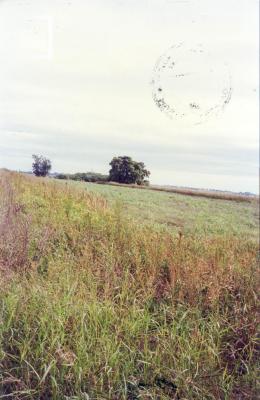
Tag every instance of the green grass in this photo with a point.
(201, 216)
(94, 305)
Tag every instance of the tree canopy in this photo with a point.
(125, 170)
(41, 165)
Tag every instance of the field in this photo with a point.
(119, 293)
(182, 213)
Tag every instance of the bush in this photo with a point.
(62, 176)
(84, 176)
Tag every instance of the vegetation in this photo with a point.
(84, 176)
(125, 170)
(196, 215)
(94, 305)
(211, 194)
(41, 165)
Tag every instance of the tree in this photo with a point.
(125, 170)
(41, 165)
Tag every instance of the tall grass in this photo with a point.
(96, 306)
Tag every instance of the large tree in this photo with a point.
(41, 165)
(125, 170)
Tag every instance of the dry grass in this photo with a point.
(105, 308)
(14, 230)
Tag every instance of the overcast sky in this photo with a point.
(77, 80)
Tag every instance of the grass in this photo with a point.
(178, 212)
(210, 194)
(96, 305)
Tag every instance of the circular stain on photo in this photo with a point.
(190, 84)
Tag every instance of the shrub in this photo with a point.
(84, 176)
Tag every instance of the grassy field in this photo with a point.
(102, 298)
(197, 215)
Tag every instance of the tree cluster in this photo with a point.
(125, 170)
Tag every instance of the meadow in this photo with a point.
(120, 293)
(182, 213)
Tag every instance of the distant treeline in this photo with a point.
(84, 176)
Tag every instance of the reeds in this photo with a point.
(14, 230)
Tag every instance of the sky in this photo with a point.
(80, 82)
